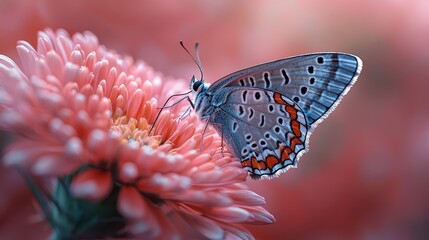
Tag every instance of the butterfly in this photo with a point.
(266, 113)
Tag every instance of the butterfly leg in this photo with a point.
(221, 133)
(185, 114)
(177, 102)
(202, 134)
(164, 106)
(221, 139)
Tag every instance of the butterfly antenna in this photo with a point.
(200, 65)
(197, 61)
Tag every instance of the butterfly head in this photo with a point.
(197, 85)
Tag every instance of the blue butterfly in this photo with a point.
(267, 112)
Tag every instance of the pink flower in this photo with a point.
(82, 115)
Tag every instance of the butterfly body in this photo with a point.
(266, 113)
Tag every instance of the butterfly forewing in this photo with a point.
(266, 113)
(316, 82)
(265, 129)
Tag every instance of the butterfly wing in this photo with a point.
(265, 129)
(316, 82)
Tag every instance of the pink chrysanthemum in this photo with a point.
(82, 115)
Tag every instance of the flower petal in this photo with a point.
(128, 172)
(210, 198)
(132, 204)
(54, 164)
(259, 215)
(229, 214)
(246, 197)
(207, 227)
(92, 184)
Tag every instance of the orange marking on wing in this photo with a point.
(262, 165)
(292, 112)
(295, 128)
(278, 99)
(295, 141)
(255, 164)
(284, 153)
(272, 161)
(285, 156)
(245, 163)
(258, 165)
(288, 150)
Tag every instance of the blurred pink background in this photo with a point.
(366, 175)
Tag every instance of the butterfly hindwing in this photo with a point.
(316, 82)
(265, 129)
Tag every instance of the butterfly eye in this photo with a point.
(196, 85)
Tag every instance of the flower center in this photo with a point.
(131, 130)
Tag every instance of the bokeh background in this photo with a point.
(367, 173)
